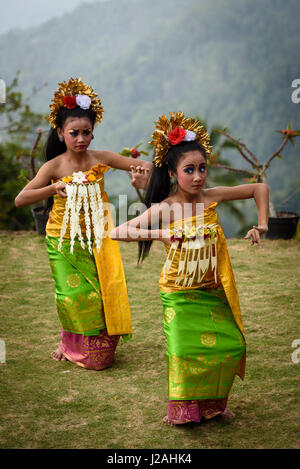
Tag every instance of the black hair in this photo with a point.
(160, 184)
(53, 146)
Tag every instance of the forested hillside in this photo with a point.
(229, 61)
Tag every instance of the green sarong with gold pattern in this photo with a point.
(77, 289)
(204, 344)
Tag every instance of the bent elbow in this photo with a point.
(265, 187)
(18, 202)
(261, 186)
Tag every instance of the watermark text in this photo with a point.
(2, 351)
(2, 91)
(296, 353)
(295, 97)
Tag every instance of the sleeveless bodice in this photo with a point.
(169, 281)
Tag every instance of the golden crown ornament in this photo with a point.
(178, 128)
(72, 94)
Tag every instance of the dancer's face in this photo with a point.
(191, 172)
(77, 132)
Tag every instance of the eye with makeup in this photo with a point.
(74, 133)
(190, 169)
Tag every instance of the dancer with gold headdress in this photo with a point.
(202, 319)
(91, 294)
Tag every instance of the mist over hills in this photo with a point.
(230, 61)
(17, 14)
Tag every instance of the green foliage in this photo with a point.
(18, 127)
(11, 183)
(232, 62)
(234, 72)
(16, 116)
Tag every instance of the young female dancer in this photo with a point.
(202, 318)
(91, 294)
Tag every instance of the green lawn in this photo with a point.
(49, 404)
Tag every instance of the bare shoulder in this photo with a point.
(50, 166)
(168, 201)
(44, 175)
(169, 210)
(54, 167)
(160, 208)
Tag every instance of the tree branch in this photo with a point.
(255, 163)
(277, 152)
(290, 197)
(25, 165)
(38, 137)
(243, 171)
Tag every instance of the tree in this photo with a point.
(17, 120)
(224, 178)
(20, 142)
(258, 170)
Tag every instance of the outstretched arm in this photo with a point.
(259, 192)
(114, 160)
(144, 227)
(140, 169)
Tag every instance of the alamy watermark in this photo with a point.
(296, 353)
(161, 218)
(2, 351)
(2, 91)
(295, 96)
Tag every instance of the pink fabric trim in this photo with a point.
(94, 352)
(180, 412)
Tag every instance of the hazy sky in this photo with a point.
(26, 13)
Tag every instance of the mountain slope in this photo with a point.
(232, 61)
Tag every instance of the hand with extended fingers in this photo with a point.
(139, 176)
(254, 234)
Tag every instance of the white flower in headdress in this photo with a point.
(83, 101)
(189, 136)
(79, 177)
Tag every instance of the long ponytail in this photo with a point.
(158, 189)
(54, 146)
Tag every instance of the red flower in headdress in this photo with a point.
(177, 135)
(70, 102)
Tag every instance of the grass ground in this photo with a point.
(46, 404)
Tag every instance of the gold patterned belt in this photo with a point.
(198, 250)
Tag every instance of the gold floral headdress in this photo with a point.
(172, 131)
(72, 94)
